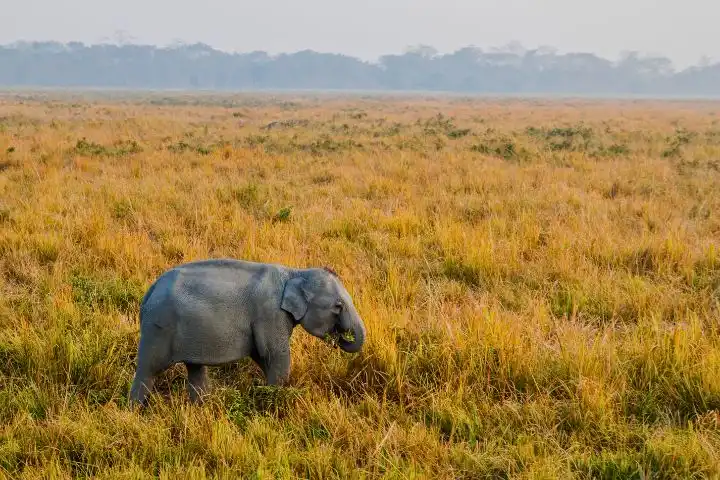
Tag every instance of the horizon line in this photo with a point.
(512, 48)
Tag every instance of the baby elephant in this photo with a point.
(211, 312)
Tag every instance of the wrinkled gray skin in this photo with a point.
(212, 312)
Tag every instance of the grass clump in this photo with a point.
(106, 293)
(119, 148)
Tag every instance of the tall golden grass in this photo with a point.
(540, 282)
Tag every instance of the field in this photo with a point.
(539, 279)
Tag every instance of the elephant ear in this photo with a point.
(295, 298)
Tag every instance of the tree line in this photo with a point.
(467, 70)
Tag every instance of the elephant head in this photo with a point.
(319, 302)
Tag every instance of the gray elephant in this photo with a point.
(211, 312)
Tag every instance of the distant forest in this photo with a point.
(468, 70)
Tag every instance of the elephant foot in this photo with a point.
(140, 389)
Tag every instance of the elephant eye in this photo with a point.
(337, 307)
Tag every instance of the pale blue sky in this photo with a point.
(682, 30)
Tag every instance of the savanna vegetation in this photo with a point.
(540, 282)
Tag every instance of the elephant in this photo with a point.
(215, 311)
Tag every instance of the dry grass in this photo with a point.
(540, 282)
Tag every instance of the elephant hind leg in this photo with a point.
(152, 359)
(198, 382)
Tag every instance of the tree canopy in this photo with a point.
(467, 70)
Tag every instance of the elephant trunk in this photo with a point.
(350, 321)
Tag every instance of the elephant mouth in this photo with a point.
(337, 336)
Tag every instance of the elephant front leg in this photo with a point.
(272, 350)
(277, 368)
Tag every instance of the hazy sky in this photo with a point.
(682, 30)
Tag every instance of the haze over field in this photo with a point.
(643, 47)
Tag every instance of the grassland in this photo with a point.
(540, 282)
